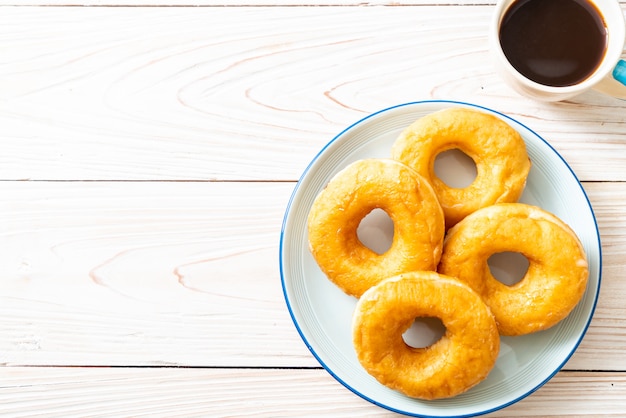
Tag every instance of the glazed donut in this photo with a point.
(353, 193)
(557, 273)
(460, 359)
(498, 150)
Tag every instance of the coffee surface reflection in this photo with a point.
(554, 42)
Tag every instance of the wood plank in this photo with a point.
(69, 392)
(257, 3)
(175, 273)
(250, 93)
(606, 328)
(144, 273)
(223, 3)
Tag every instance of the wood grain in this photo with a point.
(149, 150)
(242, 93)
(174, 273)
(239, 3)
(144, 273)
(171, 392)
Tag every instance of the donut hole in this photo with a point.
(508, 267)
(424, 332)
(455, 168)
(375, 231)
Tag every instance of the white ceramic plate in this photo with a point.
(322, 313)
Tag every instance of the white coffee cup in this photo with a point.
(609, 77)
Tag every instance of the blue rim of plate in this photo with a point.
(329, 369)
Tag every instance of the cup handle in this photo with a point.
(615, 83)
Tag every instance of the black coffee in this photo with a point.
(554, 42)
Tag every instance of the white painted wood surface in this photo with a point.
(176, 392)
(148, 154)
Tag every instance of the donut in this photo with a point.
(459, 360)
(557, 273)
(498, 150)
(352, 194)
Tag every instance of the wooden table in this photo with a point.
(149, 150)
